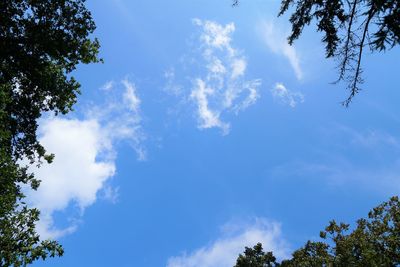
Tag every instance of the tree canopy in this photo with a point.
(41, 43)
(374, 241)
(256, 257)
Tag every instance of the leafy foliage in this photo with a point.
(41, 43)
(375, 241)
(19, 242)
(256, 257)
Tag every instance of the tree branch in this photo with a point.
(357, 78)
(347, 44)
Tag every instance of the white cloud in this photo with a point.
(76, 175)
(111, 194)
(216, 35)
(121, 118)
(251, 98)
(221, 88)
(224, 251)
(130, 96)
(238, 68)
(208, 118)
(171, 86)
(276, 40)
(224, 83)
(285, 96)
(84, 158)
(107, 86)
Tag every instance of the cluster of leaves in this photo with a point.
(375, 241)
(256, 257)
(41, 42)
(19, 242)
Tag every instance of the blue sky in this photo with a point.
(204, 132)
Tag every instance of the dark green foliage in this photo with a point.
(375, 241)
(19, 242)
(41, 43)
(256, 257)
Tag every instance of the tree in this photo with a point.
(349, 27)
(256, 257)
(19, 242)
(375, 241)
(41, 43)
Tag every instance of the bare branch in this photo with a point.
(354, 89)
(349, 40)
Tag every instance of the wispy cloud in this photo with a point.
(111, 193)
(343, 172)
(171, 86)
(375, 169)
(276, 40)
(285, 96)
(84, 158)
(369, 138)
(108, 86)
(219, 87)
(208, 118)
(224, 251)
(121, 116)
(131, 98)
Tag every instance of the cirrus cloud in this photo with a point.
(286, 96)
(220, 86)
(275, 39)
